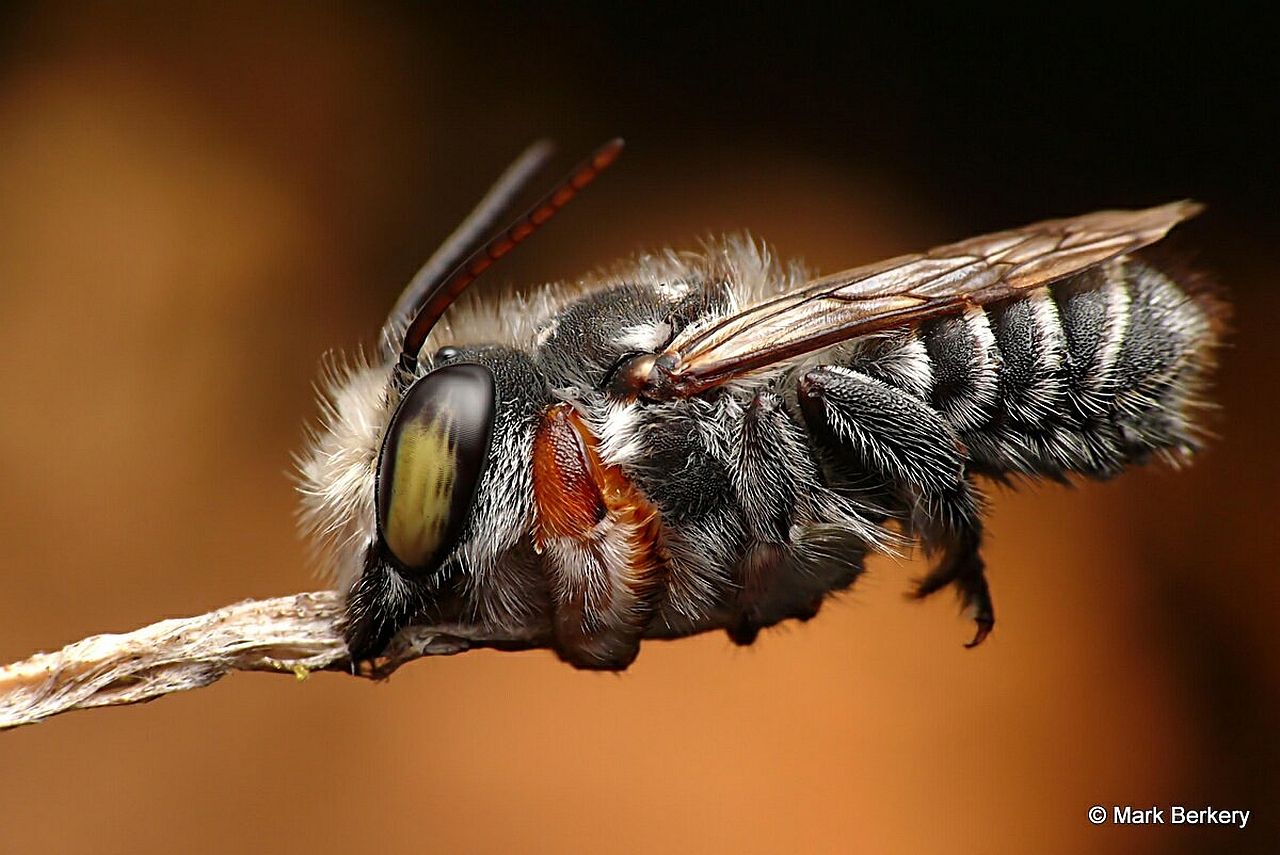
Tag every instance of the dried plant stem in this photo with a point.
(292, 635)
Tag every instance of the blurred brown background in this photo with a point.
(198, 200)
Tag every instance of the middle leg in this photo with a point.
(888, 435)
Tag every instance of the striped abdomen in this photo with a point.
(1098, 371)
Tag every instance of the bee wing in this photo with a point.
(908, 289)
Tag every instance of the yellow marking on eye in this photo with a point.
(425, 474)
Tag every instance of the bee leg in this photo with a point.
(600, 541)
(765, 489)
(790, 562)
(890, 435)
(962, 565)
(761, 575)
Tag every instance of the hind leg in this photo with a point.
(962, 565)
(892, 437)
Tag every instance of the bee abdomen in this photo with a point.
(1099, 371)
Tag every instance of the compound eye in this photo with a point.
(433, 456)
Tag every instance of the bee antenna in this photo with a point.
(438, 292)
(480, 223)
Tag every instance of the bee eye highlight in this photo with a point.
(432, 459)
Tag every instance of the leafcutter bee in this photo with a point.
(715, 440)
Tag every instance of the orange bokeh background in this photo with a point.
(197, 202)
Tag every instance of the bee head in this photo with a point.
(395, 474)
(436, 446)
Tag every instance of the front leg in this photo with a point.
(896, 439)
(600, 540)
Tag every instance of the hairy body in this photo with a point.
(604, 516)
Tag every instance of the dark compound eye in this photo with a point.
(433, 456)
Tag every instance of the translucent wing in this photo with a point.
(902, 290)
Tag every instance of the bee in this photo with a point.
(715, 440)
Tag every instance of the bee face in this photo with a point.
(712, 440)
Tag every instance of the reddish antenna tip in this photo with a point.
(607, 153)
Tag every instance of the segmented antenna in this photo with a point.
(479, 224)
(438, 297)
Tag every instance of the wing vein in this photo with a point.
(901, 291)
